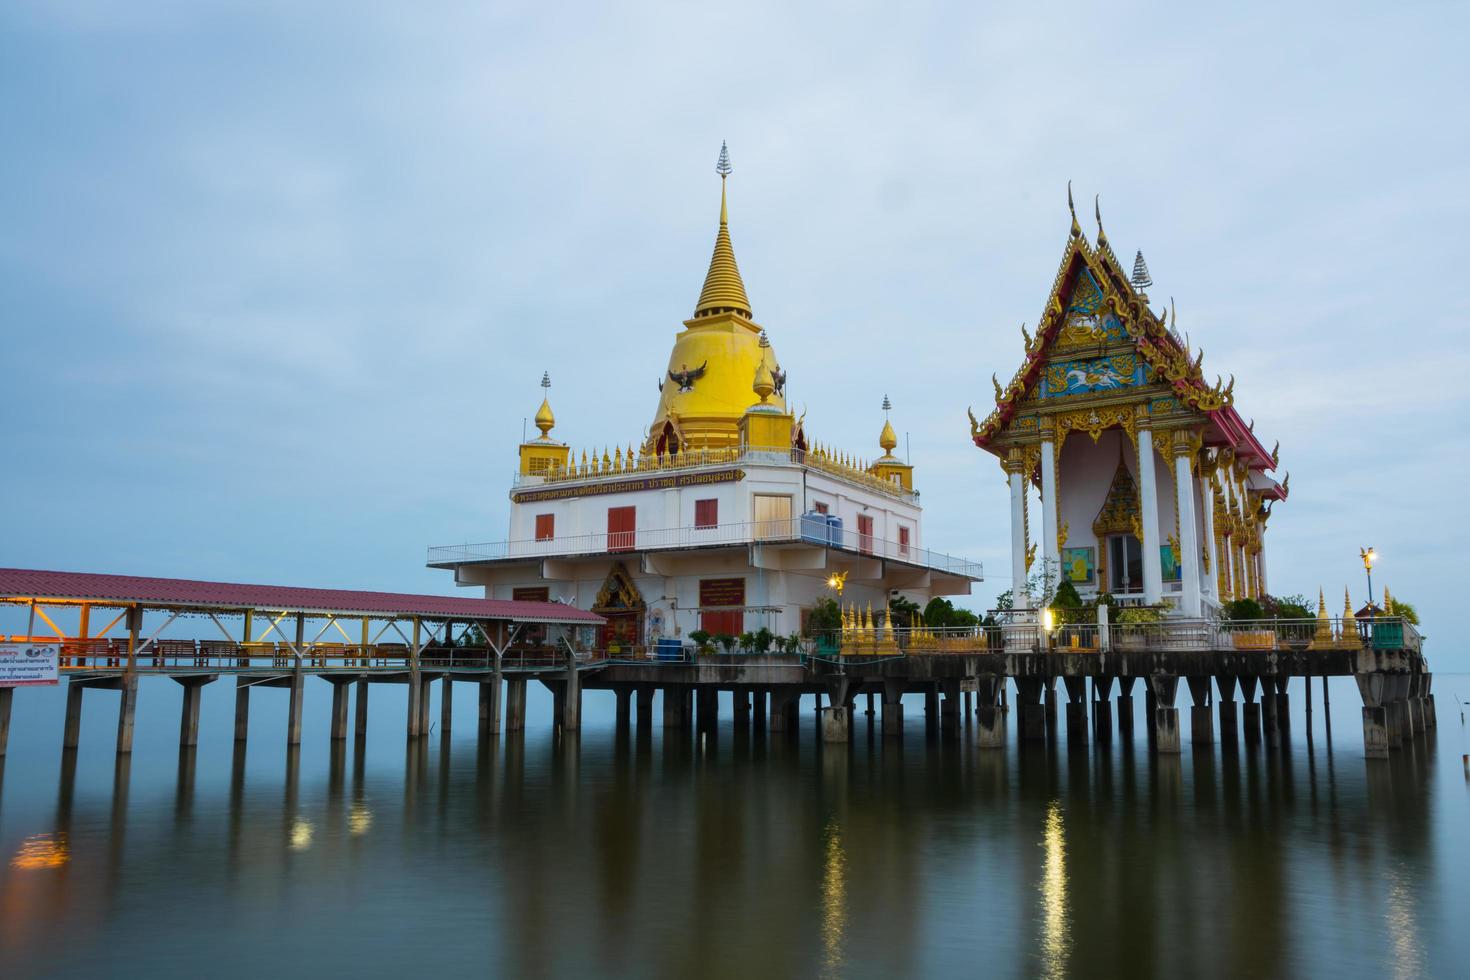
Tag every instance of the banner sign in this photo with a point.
(26, 664)
(673, 482)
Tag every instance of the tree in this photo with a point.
(1402, 608)
(902, 612)
(825, 617)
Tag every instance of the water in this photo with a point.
(765, 857)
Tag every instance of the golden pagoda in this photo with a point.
(706, 387)
(544, 455)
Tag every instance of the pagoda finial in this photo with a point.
(723, 287)
(1076, 228)
(1102, 236)
(545, 420)
(1140, 280)
(887, 439)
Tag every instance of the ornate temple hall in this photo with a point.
(1152, 487)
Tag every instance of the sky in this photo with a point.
(279, 281)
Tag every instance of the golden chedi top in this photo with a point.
(545, 420)
(705, 390)
(887, 438)
(544, 456)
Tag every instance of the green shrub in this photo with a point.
(701, 639)
(726, 641)
(761, 642)
(825, 617)
(1241, 609)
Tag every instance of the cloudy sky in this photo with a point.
(279, 280)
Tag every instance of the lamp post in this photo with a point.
(1369, 556)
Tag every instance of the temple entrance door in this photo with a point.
(621, 603)
(1125, 564)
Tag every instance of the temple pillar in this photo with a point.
(892, 709)
(1050, 553)
(1016, 477)
(990, 726)
(1373, 688)
(1076, 709)
(1209, 583)
(1153, 567)
(1164, 687)
(1183, 452)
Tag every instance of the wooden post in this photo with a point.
(129, 706)
(414, 681)
(242, 707)
(7, 695)
(339, 708)
(71, 736)
(293, 718)
(189, 717)
(84, 627)
(360, 727)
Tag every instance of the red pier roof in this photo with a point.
(177, 593)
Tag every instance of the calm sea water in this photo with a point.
(731, 856)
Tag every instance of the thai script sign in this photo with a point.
(671, 482)
(25, 664)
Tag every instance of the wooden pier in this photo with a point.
(1235, 675)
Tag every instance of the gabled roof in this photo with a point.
(1160, 346)
(175, 593)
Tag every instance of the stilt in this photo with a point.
(1049, 706)
(1031, 715)
(1076, 709)
(490, 709)
(1250, 710)
(1229, 723)
(1283, 706)
(1164, 688)
(7, 699)
(990, 728)
(869, 712)
(126, 712)
(675, 706)
(643, 698)
(1374, 688)
(293, 716)
(242, 708)
(189, 715)
(783, 707)
(339, 707)
(361, 713)
(1102, 709)
(446, 703)
(835, 723)
(72, 734)
(1201, 718)
(515, 704)
(931, 708)
(758, 708)
(949, 707)
(426, 687)
(892, 709)
(1269, 708)
(740, 708)
(624, 710)
(1125, 706)
(415, 681)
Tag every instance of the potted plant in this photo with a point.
(1139, 626)
(761, 642)
(726, 642)
(824, 624)
(701, 640)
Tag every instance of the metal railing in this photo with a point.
(206, 656)
(784, 530)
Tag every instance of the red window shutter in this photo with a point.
(903, 541)
(865, 533)
(706, 513)
(545, 527)
(622, 528)
(819, 507)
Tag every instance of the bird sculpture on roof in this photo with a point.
(685, 379)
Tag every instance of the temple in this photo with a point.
(724, 514)
(1152, 486)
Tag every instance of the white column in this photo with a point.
(1188, 538)
(1153, 566)
(1018, 528)
(1049, 553)
(1207, 501)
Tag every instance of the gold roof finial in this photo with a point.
(1102, 236)
(764, 383)
(1076, 228)
(545, 420)
(723, 287)
(887, 438)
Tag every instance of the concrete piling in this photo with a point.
(360, 718)
(71, 735)
(128, 685)
(1164, 688)
(1077, 721)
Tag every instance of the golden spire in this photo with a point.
(544, 419)
(1076, 228)
(723, 287)
(887, 438)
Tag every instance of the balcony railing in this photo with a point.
(626, 467)
(785, 530)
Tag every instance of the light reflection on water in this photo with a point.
(735, 855)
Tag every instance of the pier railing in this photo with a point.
(218, 656)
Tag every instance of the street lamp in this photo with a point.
(1369, 556)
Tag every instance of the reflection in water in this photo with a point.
(743, 856)
(301, 831)
(359, 819)
(834, 900)
(42, 851)
(1408, 954)
(1056, 942)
